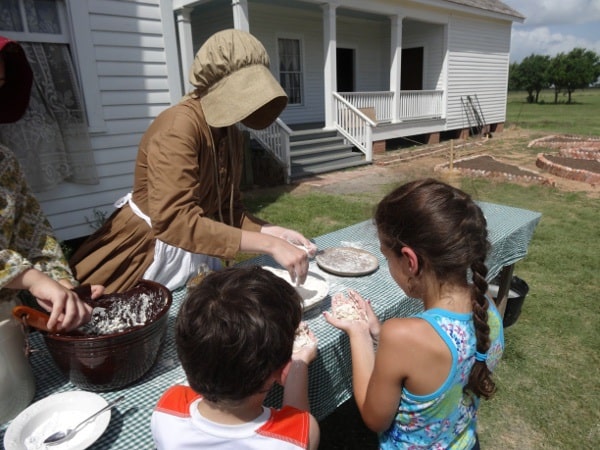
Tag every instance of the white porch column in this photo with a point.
(329, 69)
(186, 45)
(174, 74)
(396, 66)
(240, 15)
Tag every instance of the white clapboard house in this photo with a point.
(358, 73)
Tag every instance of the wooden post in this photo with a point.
(451, 154)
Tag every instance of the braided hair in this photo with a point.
(448, 232)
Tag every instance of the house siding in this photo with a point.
(372, 53)
(478, 60)
(268, 24)
(431, 38)
(129, 52)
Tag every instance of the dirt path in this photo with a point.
(509, 147)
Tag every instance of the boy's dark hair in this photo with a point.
(234, 330)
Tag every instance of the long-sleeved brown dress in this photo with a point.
(188, 186)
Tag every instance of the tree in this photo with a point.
(514, 81)
(557, 73)
(577, 69)
(532, 75)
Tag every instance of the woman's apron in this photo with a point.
(172, 266)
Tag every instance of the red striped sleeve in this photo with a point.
(288, 424)
(176, 401)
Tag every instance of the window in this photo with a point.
(290, 69)
(51, 140)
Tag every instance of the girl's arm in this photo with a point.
(376, 378)
(363, 334)
(384, 389)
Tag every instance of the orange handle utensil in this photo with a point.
(33, 317)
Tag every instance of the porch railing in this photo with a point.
(354, 125)
(382, 102)
(420, 104)
(356, 113)
(411, 104)
(276, 139)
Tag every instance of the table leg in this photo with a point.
(506, 275)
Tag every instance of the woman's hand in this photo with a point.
(291, 250)
(293, 259)
(66, 310)
(97, 291)
(293, 237)
(271, 241)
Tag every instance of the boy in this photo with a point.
(234, 335)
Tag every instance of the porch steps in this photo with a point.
(318, 151)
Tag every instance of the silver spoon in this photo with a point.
(61, 436)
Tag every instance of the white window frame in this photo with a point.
(300, 39)
(79, 40)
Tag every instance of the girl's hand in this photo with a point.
(373, 321)
(367, 321)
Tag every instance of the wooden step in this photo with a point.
(308, 171)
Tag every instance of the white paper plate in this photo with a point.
(314, 289)
(57, 412)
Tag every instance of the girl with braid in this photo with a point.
(421, 387)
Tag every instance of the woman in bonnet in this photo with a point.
(185, 208)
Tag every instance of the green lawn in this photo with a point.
(548, 387)
(581, 117)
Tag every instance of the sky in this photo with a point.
(554, 26)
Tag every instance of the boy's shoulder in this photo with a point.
(176, 400)
(288, 424)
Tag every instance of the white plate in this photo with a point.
(314, 289)
(347, 261)
(58, 412)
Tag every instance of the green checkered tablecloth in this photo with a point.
(510, 231)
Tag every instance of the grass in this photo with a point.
(314, 214)
(548, 386)
(548, 391)
(580, 117)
